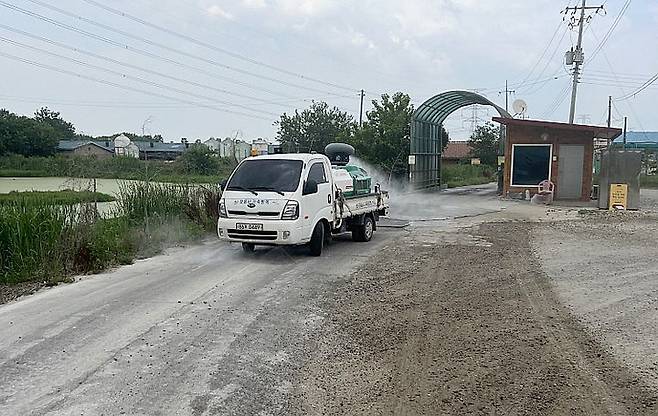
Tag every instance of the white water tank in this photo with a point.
(343, 180)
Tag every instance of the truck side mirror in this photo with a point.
(310, 187)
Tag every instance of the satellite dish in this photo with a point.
(519, 106)
(121, 141)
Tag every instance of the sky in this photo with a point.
(218, 68)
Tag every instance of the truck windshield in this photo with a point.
(277, 175)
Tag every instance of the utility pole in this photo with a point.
(577, 57)
(609, 110)
(507, 94)
(362, 94)
(625, 124)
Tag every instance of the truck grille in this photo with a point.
(253, 234)
(258, 214)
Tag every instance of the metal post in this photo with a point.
(577, 62)
(625, 124)
(363, 93)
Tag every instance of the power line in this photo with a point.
(124, 87)
(134, 78)
(142, 52)
(644, 86)
(209, 46)
(629, 103)
(149, 42)
(557, 101)
(150, 71)
(610, 31)
(541, 57)
(575, 56)
(548, 62)
(119, 104)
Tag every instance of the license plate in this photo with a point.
(249, 227)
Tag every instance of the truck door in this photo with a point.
(317, 205)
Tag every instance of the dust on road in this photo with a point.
(461, 323)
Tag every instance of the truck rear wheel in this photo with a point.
(317, 240)
(363, 233)
(248, 247)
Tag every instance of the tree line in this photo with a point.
(383, 140)
(40, 134)
(33, 136)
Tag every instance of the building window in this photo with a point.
(531, 164)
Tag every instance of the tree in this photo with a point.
(484, 143)
(26, 136)
(314, 128)
(132, 136)
(384, 140)
(62, 128)
(199, 160)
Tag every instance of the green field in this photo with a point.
(464, 175)
(65, 197)
(193, 167)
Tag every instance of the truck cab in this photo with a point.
(277, 200)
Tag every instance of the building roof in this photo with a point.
(160, 147)
(456, 150)
(596, 131)
(70, 145)
(641, 137)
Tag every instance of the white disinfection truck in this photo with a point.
(296, 199)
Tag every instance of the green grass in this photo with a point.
(464, 175)
(45, 242)
(64, 197)
(179, 171)
(649, 181)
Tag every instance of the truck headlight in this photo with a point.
(222, 209)
(290, 211)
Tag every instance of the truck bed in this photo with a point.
(362, 204)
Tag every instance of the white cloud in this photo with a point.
(306, 7)
(217, 11)
(254, 4)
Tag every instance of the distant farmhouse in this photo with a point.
(98, 149)
(241, 149)
(455, 152)
(122, 146)
(152, 150)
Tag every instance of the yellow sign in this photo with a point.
(618, 196)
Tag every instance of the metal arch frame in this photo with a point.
(426, 126)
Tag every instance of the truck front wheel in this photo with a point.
(317, 240)
(363, 233)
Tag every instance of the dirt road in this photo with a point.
(454, 315)
(461, 323)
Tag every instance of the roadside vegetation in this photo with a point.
(65, 197)
(195, 166)
(649, 181)
(464, 175)
(47, 243)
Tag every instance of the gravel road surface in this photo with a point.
(456, 314)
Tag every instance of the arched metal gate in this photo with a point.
(426, 123)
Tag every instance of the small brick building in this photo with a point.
(455, 152)
(538, 150)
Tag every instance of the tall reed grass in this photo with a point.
(40, 241)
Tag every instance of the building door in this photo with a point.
(570, 171)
